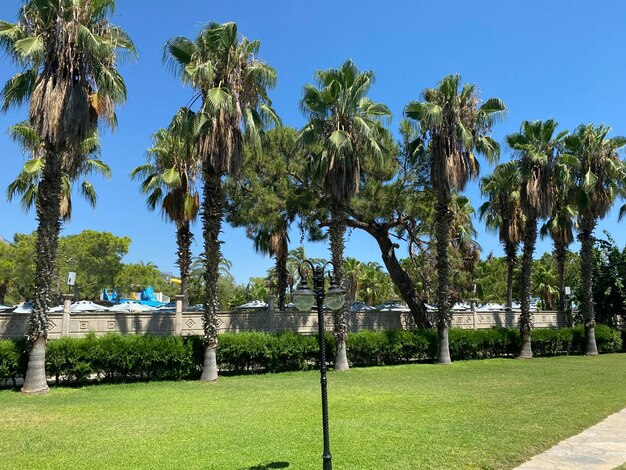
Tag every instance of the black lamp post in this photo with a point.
(304, 299)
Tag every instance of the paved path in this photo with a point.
(601, 447)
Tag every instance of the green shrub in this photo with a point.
(9, 360)
(552, 342)
(608, 340)
(115, 357)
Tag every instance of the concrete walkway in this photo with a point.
(601, 447)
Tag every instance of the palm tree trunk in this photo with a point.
(184, 238)
(442, 225)
(510, 250)
(337, 231)
(211, 226)
(587, 225)
(525, 321)
(48, 228)
(560, 253)
(281, 272)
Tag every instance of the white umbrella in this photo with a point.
(131, 307)
(6, 308)
(254, 304)
(24, 307)
(392, 307)
(58, 308)
(86, 306)
(360, 307)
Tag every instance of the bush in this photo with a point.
(9, 360)
(115, 357)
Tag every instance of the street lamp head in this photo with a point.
(335, 296)
(303, 297)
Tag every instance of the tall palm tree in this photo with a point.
(223, 69)
(536, 148)
(561, 223)
(455, 126)
(26, 184)
(502, 214)
(68, 52)
(169, 181)
(598, 174)
(344, 129)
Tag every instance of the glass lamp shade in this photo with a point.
(335, 298)
(304, 299)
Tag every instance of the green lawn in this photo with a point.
(476, 414)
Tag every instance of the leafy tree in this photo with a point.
(137, 276)
(609, 290)
(169, 181)
(344, 128)
(491, 279)
(536, 148)
(598, 174)
(68, 52)
(95, 257)
(502, 214)
(266, 200)
(7, 270)
(223, 69)
(454, 126)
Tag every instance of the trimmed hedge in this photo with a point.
(115, 357)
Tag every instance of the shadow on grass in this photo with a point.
(268, 466)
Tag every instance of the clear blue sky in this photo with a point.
(557, 59)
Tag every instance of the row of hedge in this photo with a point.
(116, 357)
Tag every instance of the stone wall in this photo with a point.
(14, 325)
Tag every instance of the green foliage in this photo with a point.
(10, 355)
(95, 257)
(115, 357)
(134, 277)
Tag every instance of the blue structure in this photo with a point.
(146, 297)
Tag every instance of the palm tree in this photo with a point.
(502, 214)
(536, 147)
(169, 181)
(26, 185)
(544, 284)
(223, 69)
(344, 129)
(276, 243)
(561, 223)
(68, 51)
(352, 270)
(598, 175)
(456, 126)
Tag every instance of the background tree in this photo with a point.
(561, 223)
(598, 176)
(454, 125)
(169, 181)
(502, 214)
(344, 128)
(536, 148)
(224, 70)
(609, 290)
(68, 53)
(266, 200)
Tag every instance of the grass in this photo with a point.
(489, 414)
